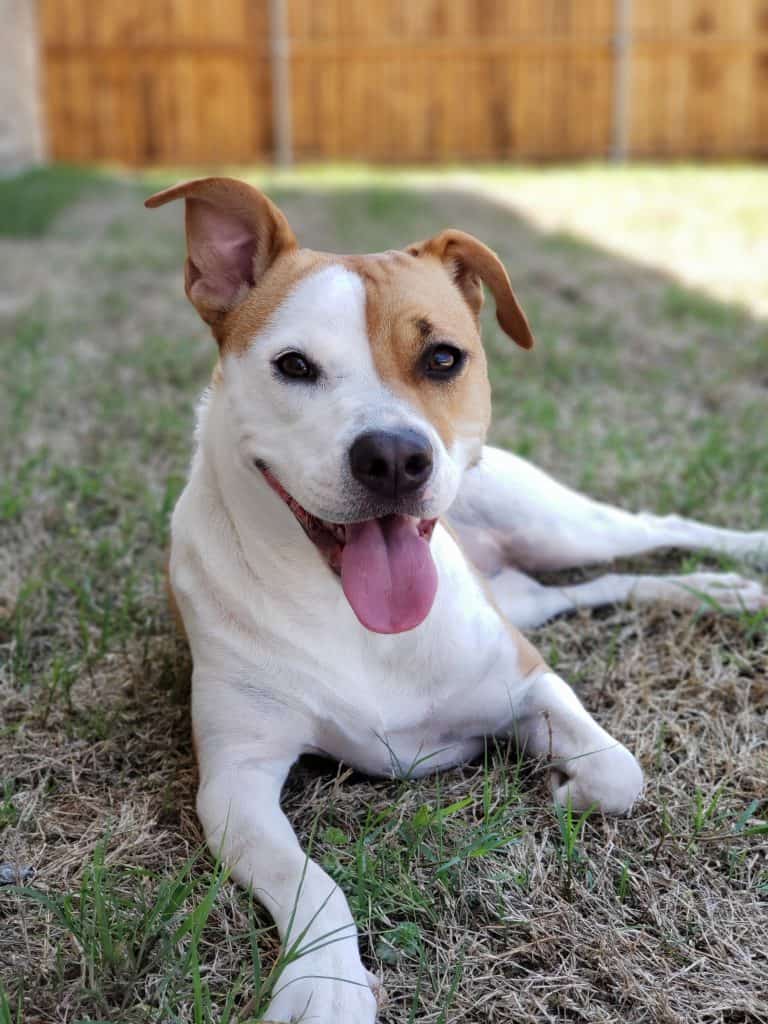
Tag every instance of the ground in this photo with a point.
(475, 900)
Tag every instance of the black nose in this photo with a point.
(391, 463)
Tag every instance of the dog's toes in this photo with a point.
(731, 592)
(745, 595)
(609, 780)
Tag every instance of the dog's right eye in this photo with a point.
(295, 366)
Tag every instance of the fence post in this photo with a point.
(280, 55)
(22, 127)
(622, 51)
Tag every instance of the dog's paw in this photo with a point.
(609, 780)
(324, 988)
(721, 591)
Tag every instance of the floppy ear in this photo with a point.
(234, 234)
(469, 262)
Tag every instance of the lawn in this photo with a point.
(476, 902)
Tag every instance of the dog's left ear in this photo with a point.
(234, 235)
(469, 262)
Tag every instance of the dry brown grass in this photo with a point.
(660, 918)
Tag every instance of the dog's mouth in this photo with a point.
(385, 564)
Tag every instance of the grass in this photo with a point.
(30, 202)
(127, 925)
(475, 899)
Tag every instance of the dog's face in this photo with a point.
(365, 391)
(356, 386)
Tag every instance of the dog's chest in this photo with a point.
(428, 743)
(402, 731)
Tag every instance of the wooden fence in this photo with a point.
(189, 81)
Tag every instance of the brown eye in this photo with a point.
(295, 366)
(443, 361)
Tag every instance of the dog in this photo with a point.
(350, 559)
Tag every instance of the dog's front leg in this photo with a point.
(587, 765)
(239, 807)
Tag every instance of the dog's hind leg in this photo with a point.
(508, 512)
(528, 604)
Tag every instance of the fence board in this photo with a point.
(164, 81)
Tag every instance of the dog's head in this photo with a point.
(357, 386)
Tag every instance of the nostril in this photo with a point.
(417, 465)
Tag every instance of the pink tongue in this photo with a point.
(388, 574)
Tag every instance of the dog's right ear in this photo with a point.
(234, 235)
(468, 262)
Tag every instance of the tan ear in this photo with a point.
(234, 234)
(469, 262)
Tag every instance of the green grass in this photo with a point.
(471, 893)
(128, 926)
(30, 202)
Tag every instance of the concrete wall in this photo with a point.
(21, 115)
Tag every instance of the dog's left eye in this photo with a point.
(442, 361)
(295, 366)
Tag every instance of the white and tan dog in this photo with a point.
(328, 606)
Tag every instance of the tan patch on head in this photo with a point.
(411, 303)
(251, 317)
(471, 264)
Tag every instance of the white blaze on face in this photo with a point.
(299, 429)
